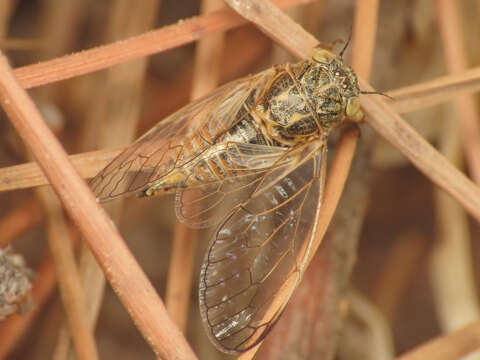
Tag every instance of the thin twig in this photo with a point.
(451, 266)
(421, 154)
(71, 291)
(465, 107)
(364, 36)
(6, 9)
(124, 274)
(135, 47)
(391, 284)
(433, 92)
(365, 332)
(455, 345)
(30, 175)
(54, 16)
(18, 221)
(22, 44)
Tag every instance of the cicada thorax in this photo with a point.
(308, 99)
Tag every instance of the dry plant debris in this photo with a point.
(15, 285)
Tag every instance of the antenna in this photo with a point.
(376, 93)
(347, 43)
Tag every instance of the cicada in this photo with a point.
(258, 144)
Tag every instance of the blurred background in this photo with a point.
(410, 241)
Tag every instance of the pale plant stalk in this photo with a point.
(456, 60)
(451, 265)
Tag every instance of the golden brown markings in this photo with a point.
(322, 89)
(303, 94)
(215, 169)
(225, 165)
(204, 133)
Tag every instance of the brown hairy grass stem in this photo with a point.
(456, 60)
(148, 43)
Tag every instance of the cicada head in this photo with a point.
(337, 80)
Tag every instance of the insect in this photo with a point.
(257, 144)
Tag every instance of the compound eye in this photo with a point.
(322, 56)
(353, 110)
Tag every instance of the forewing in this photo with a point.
(242, 167)
(258, 254)
(178, 139)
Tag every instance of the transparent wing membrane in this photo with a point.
(177, 140)
(242, 166)
(259, 251)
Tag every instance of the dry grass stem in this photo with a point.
(135, 47)
(391, 284)
(367, 329)
(127, 279)
(271, 20)
(422, 155)
(18, 221)
(364, 36)
(30, 175)
(70, 287)
(451, 266)
(12, 329)
(6, 9)
(429, 93)
(22, 44)
(465, 107)
(455, 345)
